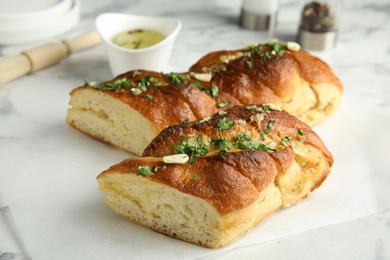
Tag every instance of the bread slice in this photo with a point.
(244, 164)
(211, 202)
(300, 83)
(131, 109)
(260, 126)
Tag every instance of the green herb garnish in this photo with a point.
(142, 86)
(270, 124)
(266, 54)
(254, 145)
(265, 148)
(135, 73)
(277, 47)
(247, 145)
(144, 82)
(258, 49)
(194, 178)
(136, 91)
(222, 144)
(185, 121)
(147, 96)
(223, 104)
(242, 138)
(249, 64)
(266, 107)
(144, 170)
(200, 86)
(214, 91)
(300, 132)
(137, 43)
(119, 83)
(215, 68)
(156, 82)
(244, 141)
(286, 139)
(225, 124)
(193, 158)
(191, 148)
(176, 78)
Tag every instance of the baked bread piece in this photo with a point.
(243, 165)
(126, 120)
(296, 81)
(263, 127)
(130, 110)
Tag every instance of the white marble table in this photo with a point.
(48, 170)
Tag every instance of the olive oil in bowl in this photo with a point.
(137, 39)
(122, 59)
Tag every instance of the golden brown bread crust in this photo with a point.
(246, 161)
(224, 200)
(298, 82)
(271, 80)
(314, 70)
(273, 161)
(229, 182)
(270, 129)
(243, 118)
(274, 72)
(166, 107)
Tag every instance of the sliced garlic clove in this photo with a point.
(176, 158)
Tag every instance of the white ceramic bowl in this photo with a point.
(26, 27)
(153, 58)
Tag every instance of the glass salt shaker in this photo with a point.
(259, 15)
(319, 24)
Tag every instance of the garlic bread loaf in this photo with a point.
(130, 117)
(296, 81)
(131, 109)
(210, 202)
(230, 171)
(257, 127)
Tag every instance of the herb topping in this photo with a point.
(214, 91)
(144, 170)
(225, 124)
(176, 78)
(191, 148)
(119, 83)
(270, 124)
(194, 178)
(223, 104)
(222, 144)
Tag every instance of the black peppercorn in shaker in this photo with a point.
(319, 22)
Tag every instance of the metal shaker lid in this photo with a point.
(323, 41)
(258, 22)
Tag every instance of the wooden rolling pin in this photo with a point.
(43, 56)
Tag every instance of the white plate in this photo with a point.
(22, 12)
(40, 29)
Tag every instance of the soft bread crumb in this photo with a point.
(180, 215)
(117, 123)
(235, 190)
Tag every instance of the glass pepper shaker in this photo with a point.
(319, 24)
(259, 15)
